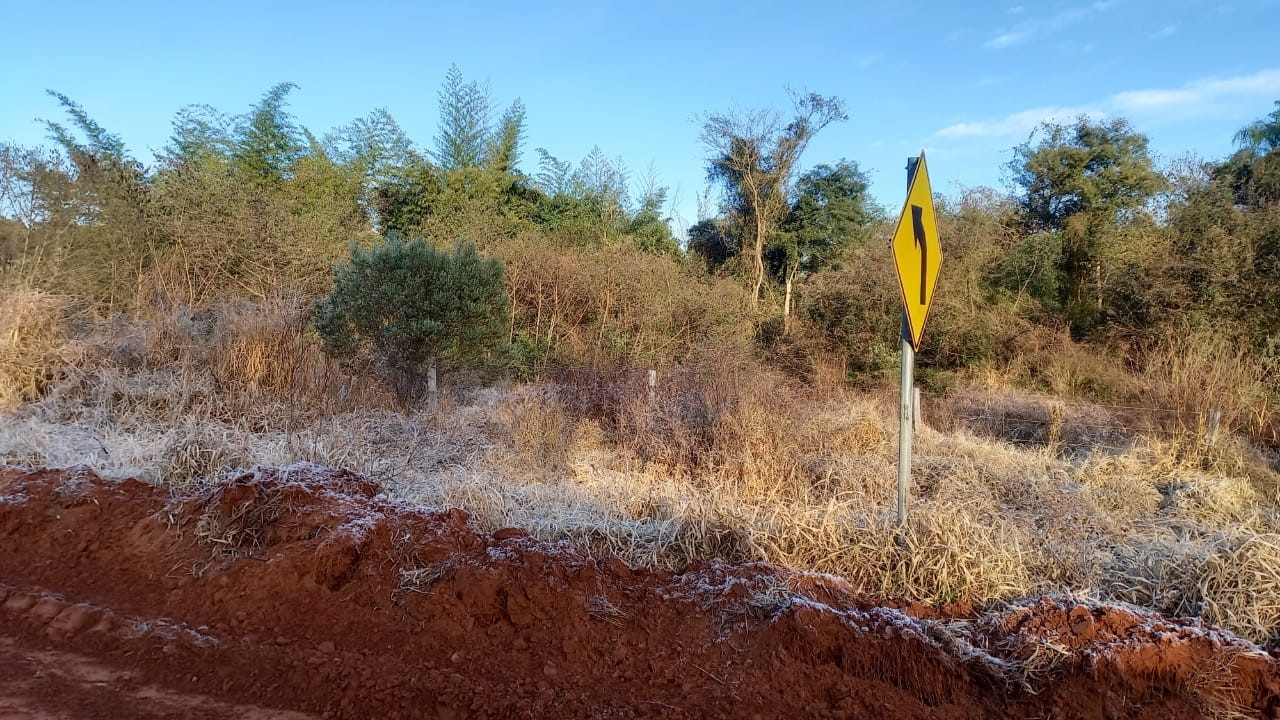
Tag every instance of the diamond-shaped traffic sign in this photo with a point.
(917, 253)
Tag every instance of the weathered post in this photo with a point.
(1215, 422)
(433, 395)
(904, 399)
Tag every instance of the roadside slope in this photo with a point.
(302, 589)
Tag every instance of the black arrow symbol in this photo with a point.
(917, 219)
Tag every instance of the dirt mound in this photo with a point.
(301, 592)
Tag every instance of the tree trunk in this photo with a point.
(759, 257)
(786, 299)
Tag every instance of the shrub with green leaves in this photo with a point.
(401, 306)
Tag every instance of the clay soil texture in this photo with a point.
(302, 592)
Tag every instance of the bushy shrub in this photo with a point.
(402, 306)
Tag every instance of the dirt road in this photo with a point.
(301, 592)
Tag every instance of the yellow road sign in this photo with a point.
(917, 252)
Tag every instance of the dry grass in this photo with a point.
(727, 461)
(33, 352)
(1240, 585)
(539, 430)
(1195, 372)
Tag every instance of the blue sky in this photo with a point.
(967, 81)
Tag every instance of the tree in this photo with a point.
(472, 177)
(648, 227)
(200, 134)
(404, 305)
(753, 157)
(1261, 136)
(1254, 171)
(831, 209)
(466, 116)
(379, 150)
(110, 239)
(710, 241)
(268, 140)
(592, 204)
(1085, 181)
(503, 153)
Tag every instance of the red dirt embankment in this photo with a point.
(301, 592)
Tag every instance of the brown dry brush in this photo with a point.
(33, 344)
(728, 459)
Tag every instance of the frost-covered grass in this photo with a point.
(725, 463)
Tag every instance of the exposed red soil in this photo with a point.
(302, 592)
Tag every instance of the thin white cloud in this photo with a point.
(1015, 9)
(1265, 83)
(1208, 94)
(1007, 40)
(1164, 32)
(1024, 31)
(865, 61)
(1019, 123)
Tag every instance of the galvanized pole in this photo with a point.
(904, 400)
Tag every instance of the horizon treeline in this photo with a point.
(1093, 249)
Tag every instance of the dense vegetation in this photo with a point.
(243, 298)
(1093, 243)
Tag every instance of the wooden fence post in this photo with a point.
(1215, 422)
(433, 395)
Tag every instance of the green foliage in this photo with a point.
(100, 144)
(88, 212)
(649, 228)
(753, 159)
(1085, 181)
(831, 210)
(466, 116)
(710, 241)
(405, 304)
(503, 154)
(1100, 169)
(200, 134)
(255, 205)
(267, 140)
(591, 204)
(1031, 268)
(1254, 172)
(1261, 136)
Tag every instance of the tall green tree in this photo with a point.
(268, 139)
(753, 159)
(466, 118)
(1085, 182)
(831, 209)
(1254, 170)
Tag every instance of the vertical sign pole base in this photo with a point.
(905, 425)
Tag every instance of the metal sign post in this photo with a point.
(904, 420)
(917, 256)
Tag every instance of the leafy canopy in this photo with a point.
(403, 304)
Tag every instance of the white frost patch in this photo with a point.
(170, 630)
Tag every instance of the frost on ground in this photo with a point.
(350, 604)
(809, 486)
